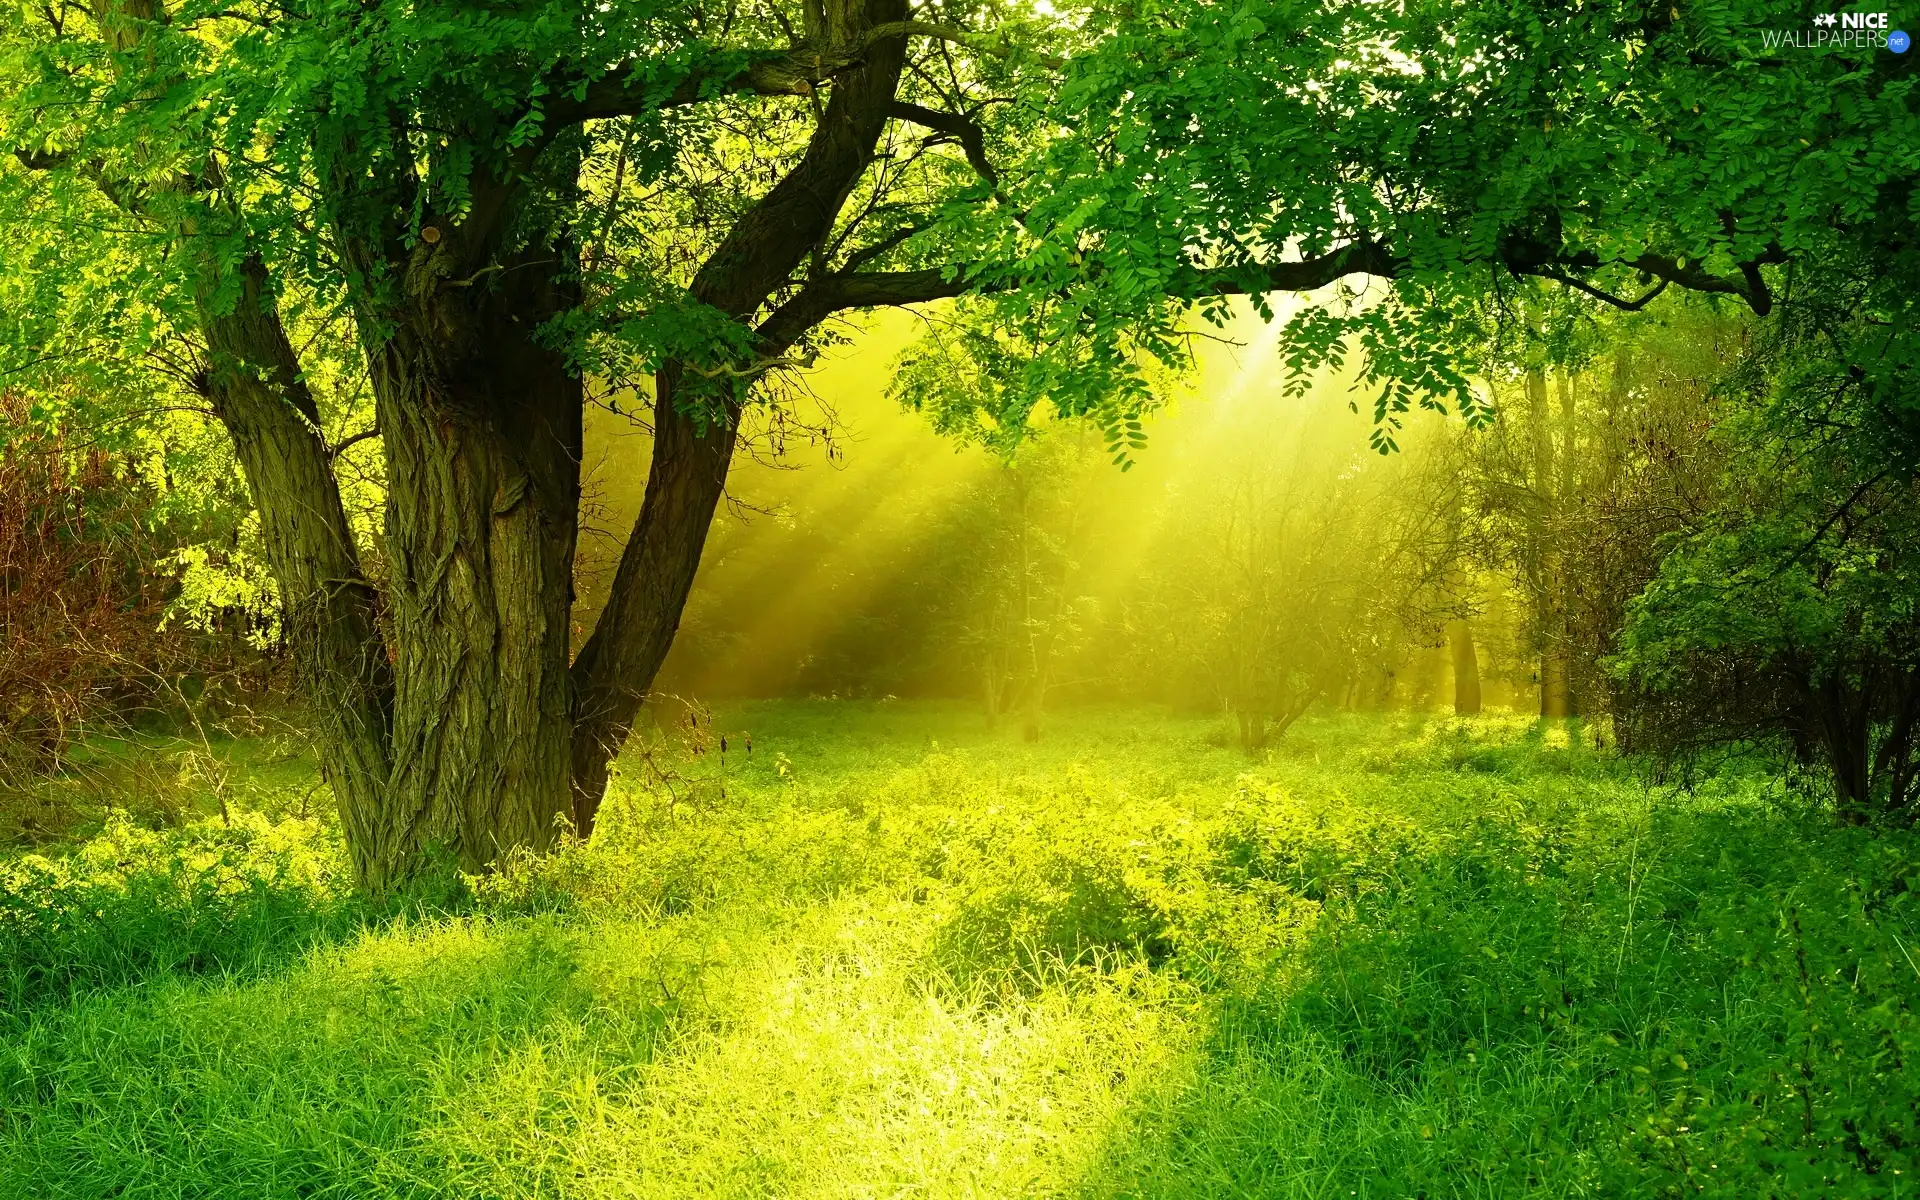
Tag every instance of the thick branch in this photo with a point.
(1364, 257)
(961, 129)
(767, 73)
(840, 293)
(878, 289)
(796, 71)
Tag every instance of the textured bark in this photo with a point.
(254, 381)
(329, 607)
(482, 430)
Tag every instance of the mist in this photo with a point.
(866, 556)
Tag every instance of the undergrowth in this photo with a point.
(886, 952)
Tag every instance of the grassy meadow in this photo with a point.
(877, 949)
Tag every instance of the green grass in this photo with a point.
(891, 953)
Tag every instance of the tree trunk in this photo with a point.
(1253, 730)
(1555, 700)
(616, 667)
(329, 609)
(1847, 730)
(483, 436)
(1544, 582)
(1466, 669)
(691, 453)
(992, 682)
(1566, 594)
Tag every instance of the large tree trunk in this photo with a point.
(448, 737)
(482, 430)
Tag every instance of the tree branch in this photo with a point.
(335, 450)
(1530, 256)
(1606, 297)
(962, 129)
(822, 298)
(796, 71)
(1363, 257)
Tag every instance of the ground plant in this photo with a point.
(889, 950)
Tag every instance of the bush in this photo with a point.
(133, 903)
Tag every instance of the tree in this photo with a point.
(1294, 565)
(456, 183)
(1787, 612)
(470, 209)
(1021, 614)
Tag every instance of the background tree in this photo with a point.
(1784, 613)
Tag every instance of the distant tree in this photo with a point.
(1281, 605)
(1297, 565)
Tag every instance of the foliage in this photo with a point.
(1453, 957)
(1566, 504)
(219, 896)
(1784, 611)
(1458, 153)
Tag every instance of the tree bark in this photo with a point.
(483, 435)
(329, 608)
(1847, 729)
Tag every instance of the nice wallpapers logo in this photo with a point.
(1840, 31)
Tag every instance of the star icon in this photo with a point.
(1825, 19)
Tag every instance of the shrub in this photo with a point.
(211, 896)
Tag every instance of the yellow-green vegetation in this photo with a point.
(885, 952)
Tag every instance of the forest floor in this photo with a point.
(887, 952)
